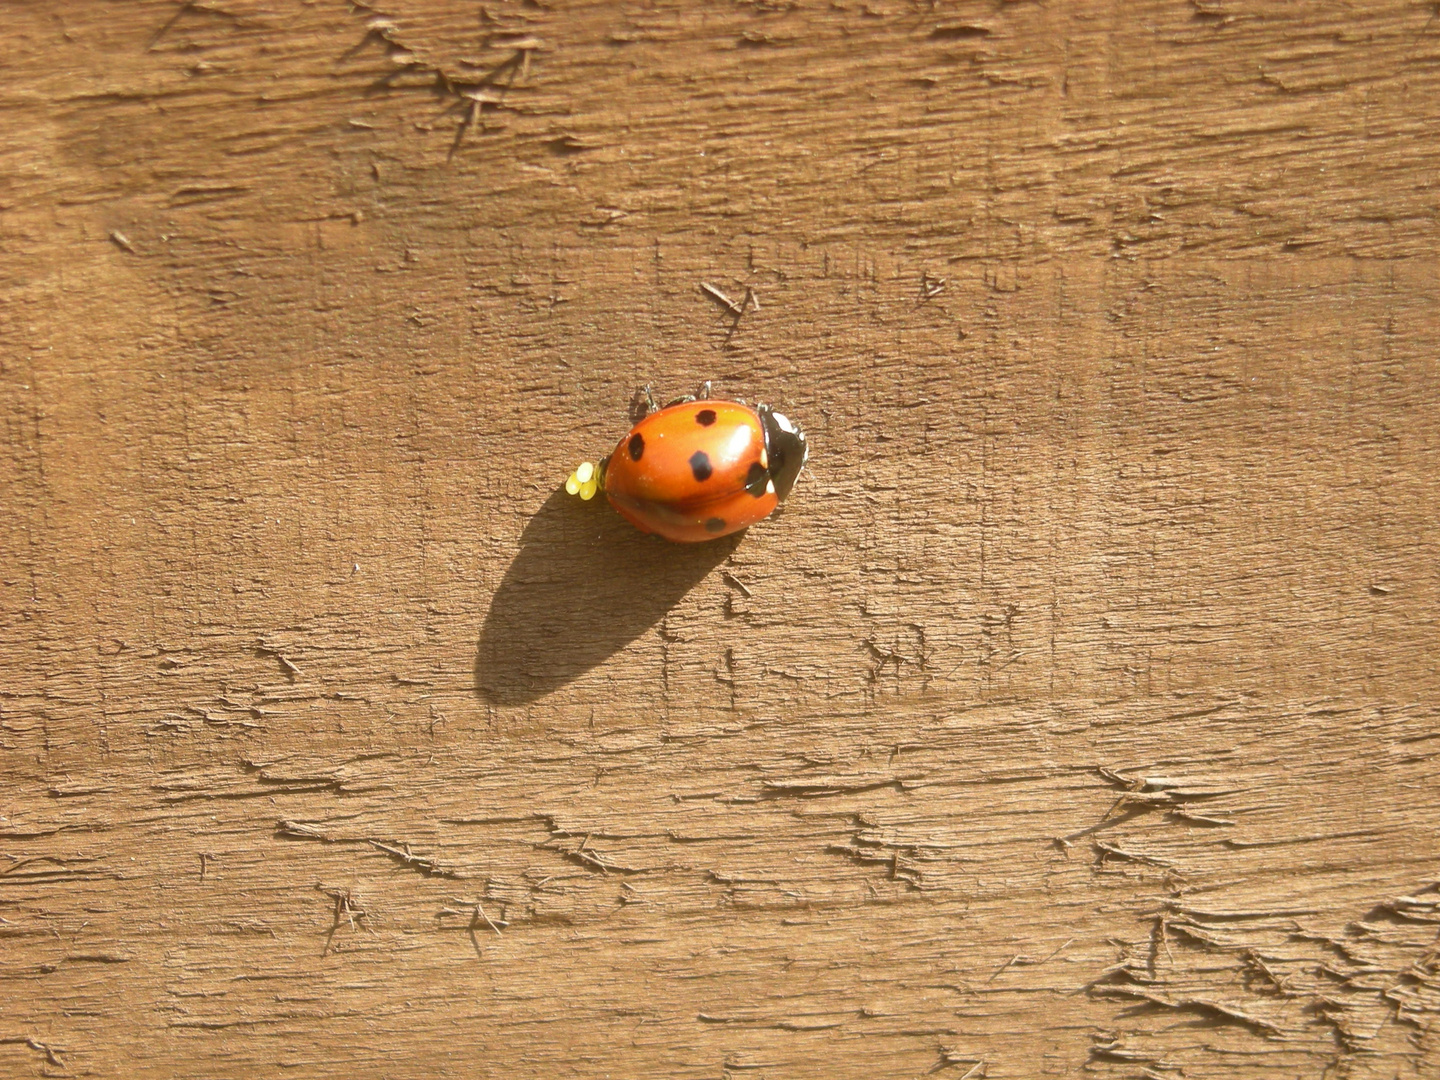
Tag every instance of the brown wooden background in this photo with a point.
(1078, 714)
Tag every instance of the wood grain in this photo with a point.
(1077, 715)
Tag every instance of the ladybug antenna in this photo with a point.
(584, 481)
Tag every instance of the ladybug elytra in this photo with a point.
(698, 469)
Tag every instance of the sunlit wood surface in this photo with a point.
(1076, 716)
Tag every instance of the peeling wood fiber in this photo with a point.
(1078, 715)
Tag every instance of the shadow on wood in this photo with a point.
(585, 584)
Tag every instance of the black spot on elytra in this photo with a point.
(705, 417)
(699, 464)
(714, 525)
(756, 479)
(637, 446)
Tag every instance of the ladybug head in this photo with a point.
(785, 449)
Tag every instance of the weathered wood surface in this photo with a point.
(1079, 713)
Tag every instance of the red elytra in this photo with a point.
(699, 470)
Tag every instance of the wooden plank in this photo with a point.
(1077, 714)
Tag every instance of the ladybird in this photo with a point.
(698, 469)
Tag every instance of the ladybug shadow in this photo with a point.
(584, 585)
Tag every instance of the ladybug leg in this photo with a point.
(642, 404)
(702, 393)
